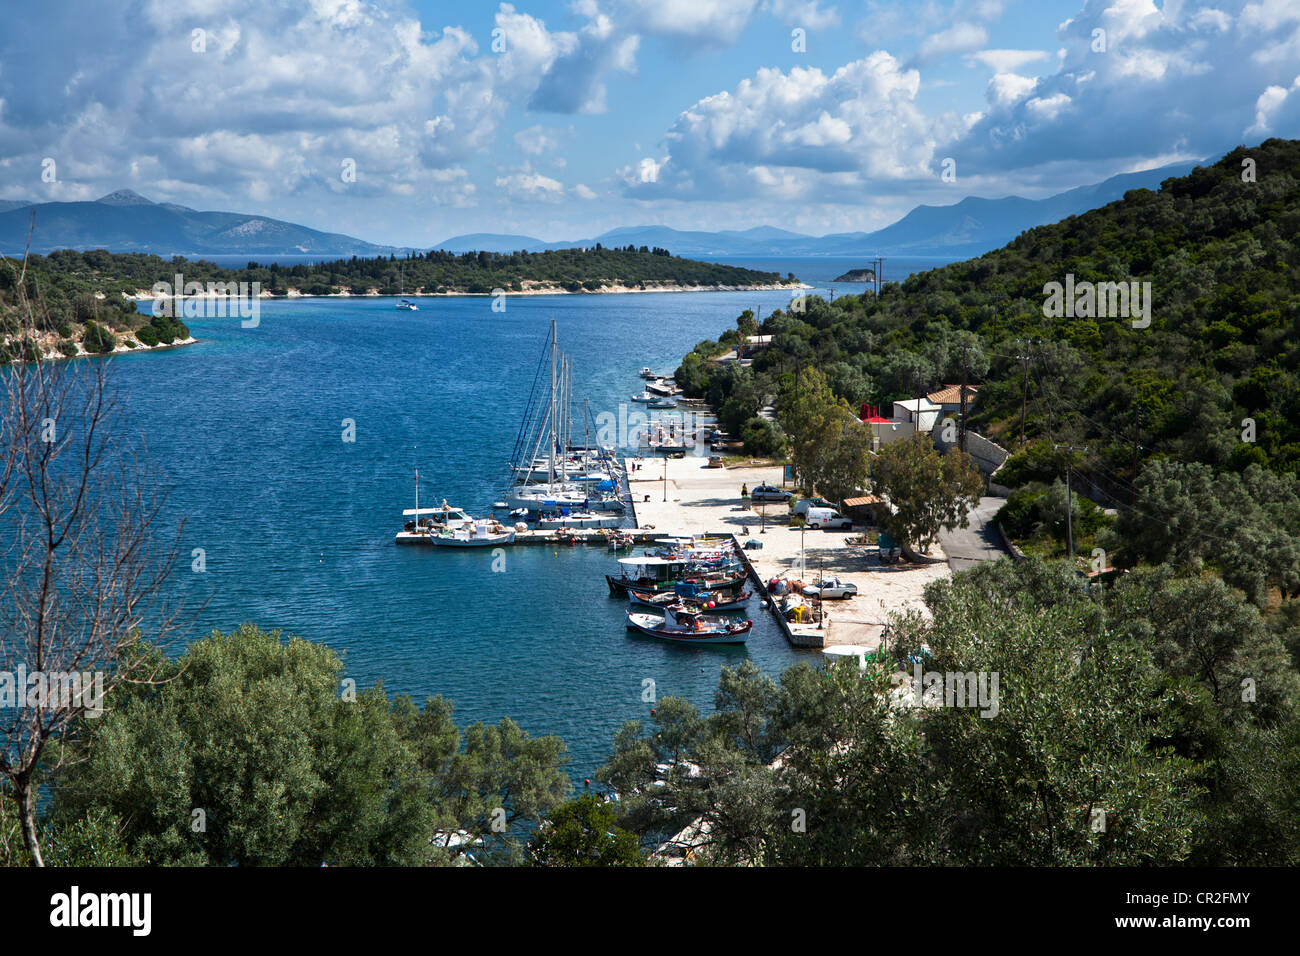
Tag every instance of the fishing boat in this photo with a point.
(645, 398)
(480, 533)
(663, 403)
(646, 373)
(692, 597)
(653, 574)
(683, 626)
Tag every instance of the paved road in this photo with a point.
(967, 547)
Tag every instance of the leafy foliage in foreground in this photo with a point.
(247, 755)
(1120, 707)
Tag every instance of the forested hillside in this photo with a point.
(1223, 344)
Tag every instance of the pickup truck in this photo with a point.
(832, 589)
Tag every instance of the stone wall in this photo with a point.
(987, 455)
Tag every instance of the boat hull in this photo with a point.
(653, 626)
(488, 541)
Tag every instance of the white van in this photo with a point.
(828, 519)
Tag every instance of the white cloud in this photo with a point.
(807, 14)
(537, 140)
(527, 186)
(701, 22)
(799, 132)
(1275, 106)
(1008, 61)
(958, 38)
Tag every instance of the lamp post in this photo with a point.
(803, 566)
(665, 478)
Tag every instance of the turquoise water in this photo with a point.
(297, 525)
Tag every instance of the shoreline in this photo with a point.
(147, 295)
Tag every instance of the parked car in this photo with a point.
(828, 519)
(769, 493)
(803, 504)
(716, 462)
(832, 589)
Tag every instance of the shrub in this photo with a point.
(68, 348)
(96, 338)
(147, 335)
(761, 438)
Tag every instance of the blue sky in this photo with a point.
(563, 119)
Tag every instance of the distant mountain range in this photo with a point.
(125, 221)
(967, 228)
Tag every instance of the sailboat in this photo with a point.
(568, 486)
(404, 304)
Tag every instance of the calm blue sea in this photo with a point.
(296, 525)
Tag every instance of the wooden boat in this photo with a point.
(683, 626)
(619, 586)
(695, 599)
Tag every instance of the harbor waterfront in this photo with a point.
(295, 523)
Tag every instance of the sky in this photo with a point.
(406, 122)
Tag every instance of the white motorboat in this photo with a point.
(646, 373)
(550, 498)
(578, 519)
(480, 533)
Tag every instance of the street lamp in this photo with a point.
(665, 478)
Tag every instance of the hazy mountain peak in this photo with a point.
(125, 197)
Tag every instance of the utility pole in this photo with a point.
(1137, 422)
(1069, 500)
(1024, 393)
(961, 434)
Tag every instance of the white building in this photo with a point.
(921, 413)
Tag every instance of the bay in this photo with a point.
(245, 431)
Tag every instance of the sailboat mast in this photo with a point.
(550, 460)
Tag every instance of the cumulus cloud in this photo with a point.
(789, 134)
(1166, 81)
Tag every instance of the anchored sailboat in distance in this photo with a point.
(404, 304)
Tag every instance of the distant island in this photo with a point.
(857, 275)
(85, 302)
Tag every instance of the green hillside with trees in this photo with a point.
(1211, 387)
